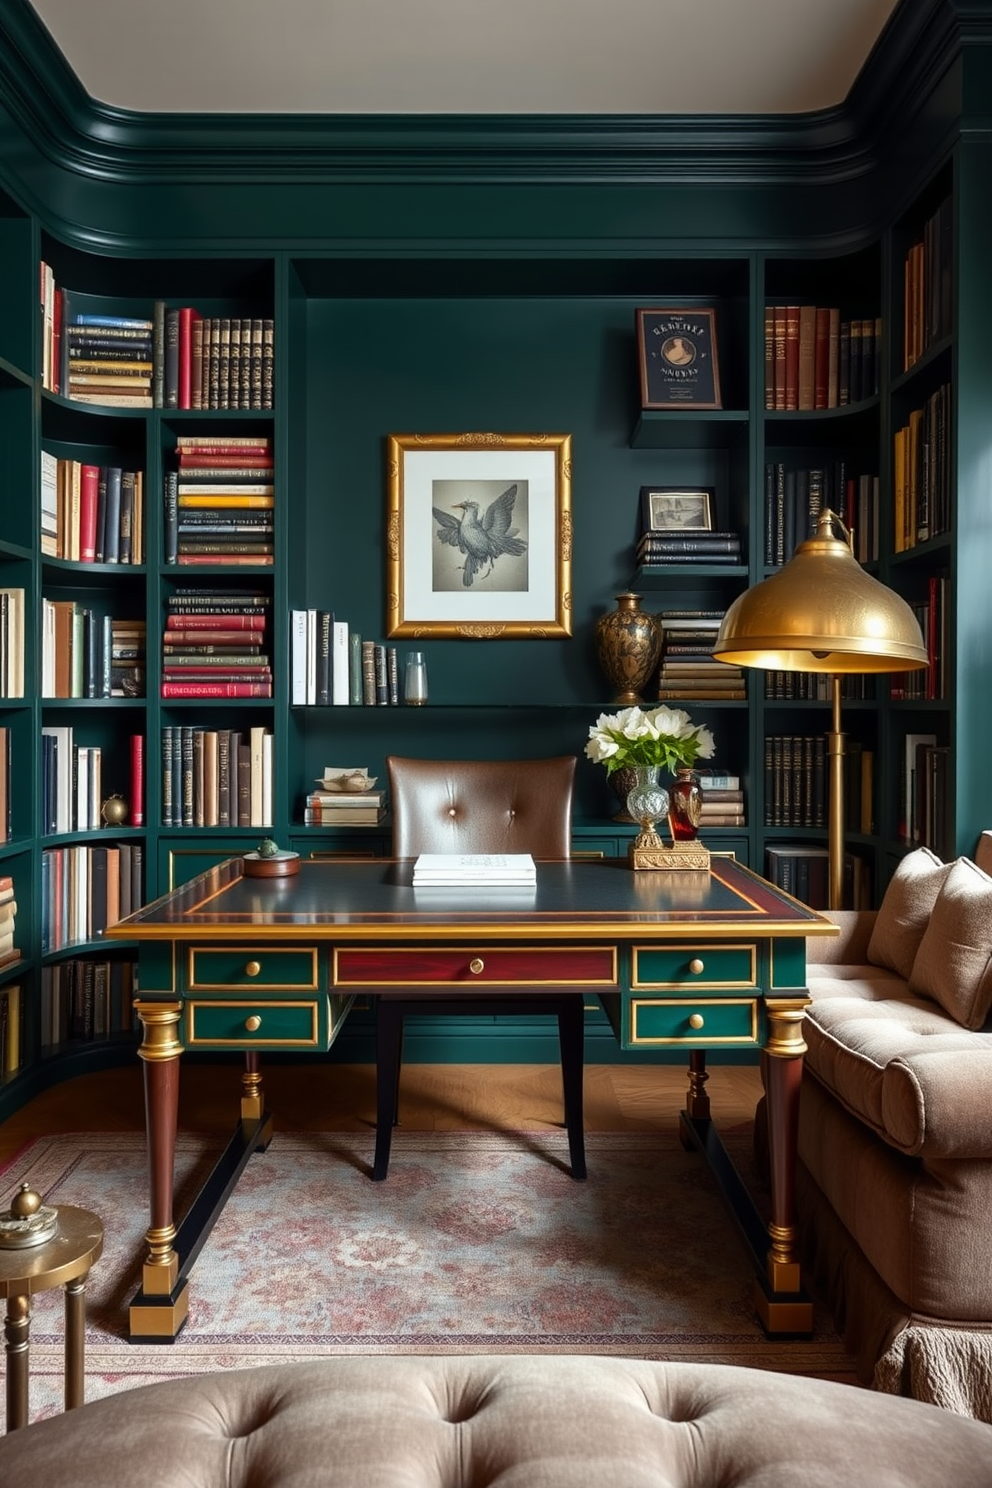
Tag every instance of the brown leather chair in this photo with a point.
(473, 806)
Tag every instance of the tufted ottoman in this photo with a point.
(514, 1421)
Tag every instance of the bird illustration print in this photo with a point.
(482, 541)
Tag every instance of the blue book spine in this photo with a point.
(121, 322)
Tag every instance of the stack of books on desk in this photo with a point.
(478, 870)
(345, 808)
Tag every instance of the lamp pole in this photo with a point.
(835, 806)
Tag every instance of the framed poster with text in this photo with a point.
(678, 359)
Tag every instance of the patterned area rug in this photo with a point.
(476, 1242)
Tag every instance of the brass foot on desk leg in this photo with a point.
(158, 1319)
(784, 1315)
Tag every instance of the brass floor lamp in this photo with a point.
(822, 613)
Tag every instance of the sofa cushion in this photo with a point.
(904, 911)
(902, 1066)
(953, 963)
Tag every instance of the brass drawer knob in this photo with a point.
(696, 1020)
(476, 965)
(254, 1023)
(252, 968)
(696, 966)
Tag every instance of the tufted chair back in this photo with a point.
(482, 806)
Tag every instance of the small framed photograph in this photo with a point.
(677, 508)
(479, 535)
(678, 359)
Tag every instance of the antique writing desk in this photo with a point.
(706, 960)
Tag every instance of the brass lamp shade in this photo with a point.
(821, 613)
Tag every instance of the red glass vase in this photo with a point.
(685, 806)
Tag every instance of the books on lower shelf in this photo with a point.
(11, 643)
(456, 870)
(88, 654)
(8, 916)
(85, 998)
(11, 1028)
(217, 777)
(803, 870)
(214, 644)
(86, 887)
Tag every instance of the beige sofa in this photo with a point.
(895, 1142)
(514, 1421)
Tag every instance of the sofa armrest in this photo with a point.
(937, 1104)
(850, 947)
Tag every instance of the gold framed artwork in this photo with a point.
(677, 353)
(479, 535)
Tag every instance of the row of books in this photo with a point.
(924, 819)
(8, 916)
(214, 644)
(687, 669)
(12, 643)
(219, 501)
(217, 777)
(813, 359)
(86, 999)
(11, 1028)
(928, 279)
(815, 686)
(86, 654)
(331, 664)
(794, 499)
(71, 782)
(174, 358)
(325, 808)
(85, 888)
(91, 513)
(722, 806)
(928, 682)
(803, 870)
(796, 782)
(665, 546)
(921, 473)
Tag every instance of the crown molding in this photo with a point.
(918, 45)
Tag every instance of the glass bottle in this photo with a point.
(415, 679)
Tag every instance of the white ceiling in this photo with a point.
(466, 56)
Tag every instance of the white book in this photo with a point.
(340, 663)
(298, 657)
(311, 696)
(255, 742)
(480, 868)
(267, 747)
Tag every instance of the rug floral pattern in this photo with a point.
(476, 1242)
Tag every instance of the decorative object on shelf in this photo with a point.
(479, 535)
(354, 782)
(677, 508)
(658, 738)
(270, 861)
(685, 809)
(114, 810)
(628, 644)
(622, 782)
(415, 680)
(28, 1221)
(822, 613)
(678, 359)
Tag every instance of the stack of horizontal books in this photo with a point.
(327, 808)
(108, 359)
(219, 501)
(688, 670)
(8, 915)
(474, 870)
(213, 645)
(672, 545)
(722, 800)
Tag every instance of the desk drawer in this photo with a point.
(712, 1023)
(475, 966)
(692, 965)
(263, 1024)
(251, 968)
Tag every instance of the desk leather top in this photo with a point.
(375, 900)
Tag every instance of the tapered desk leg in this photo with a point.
(161, 1307)
(388, 1042)
(783, 1307)
(571, 1039)
(17, 1333)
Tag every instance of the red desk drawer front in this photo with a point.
(479, 966)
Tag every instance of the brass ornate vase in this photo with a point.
(685, 806)
(628, 643)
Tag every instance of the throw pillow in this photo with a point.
(954, 962)
(904, 911)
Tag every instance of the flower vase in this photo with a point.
(647, 803)
(685, 806)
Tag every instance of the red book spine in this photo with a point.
(198, 459)
(137, 780)
(89, 485)
(216, 689)
(215, 622)
(187, 315)
(821, 387)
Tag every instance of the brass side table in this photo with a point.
(64, 1261)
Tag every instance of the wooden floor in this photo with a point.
(329, 1097)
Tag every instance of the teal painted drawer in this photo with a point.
(690, 965)
(710, 1024)
(251, 968)
(263, 1024)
